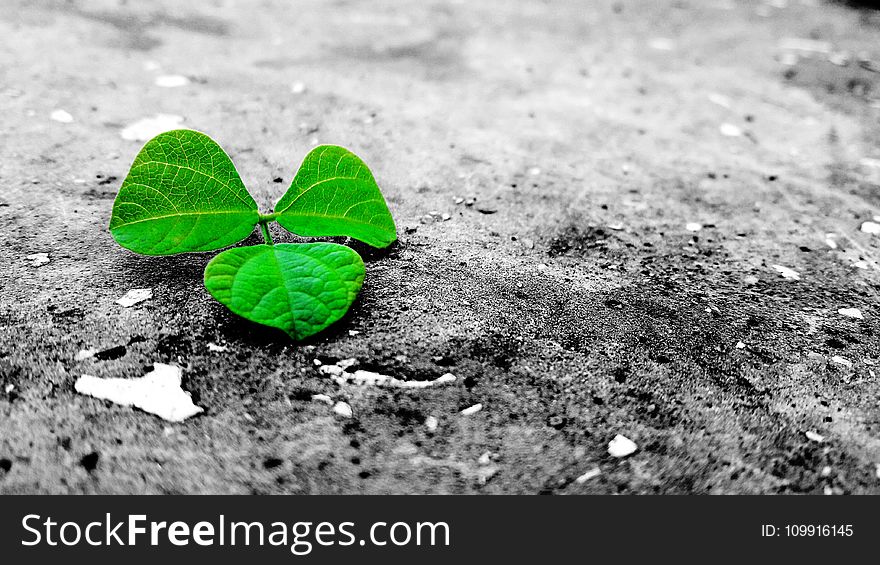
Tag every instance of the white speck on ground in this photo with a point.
(343, 409)
(661, 44)
(353, 333)
(806, 45)
(322, 398)
(831, 240)
(85, 354)
(841, 361)
(61, 116)
(740, 345)
(362, 377)
(148, 128)
(217, 348)
(615, 227)
(485, 458)
(750, 280)
(813, 436)
(872, 228)
(158, 392)
(135, 296)
(730, 130)
(171, 81)
(693, 226)
(151, 66)
(719, 99)
(470, 410)
(851, 313)
(534, 171)
(591, 474)
(9, 388)
(621, 446)
(431, 423)
(37, 259)
(787, 273)
(877, 471)
(298, 87)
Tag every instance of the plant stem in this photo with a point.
(267, 237)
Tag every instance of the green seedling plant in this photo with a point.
(184, 195)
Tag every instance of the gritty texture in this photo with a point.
(568, 144)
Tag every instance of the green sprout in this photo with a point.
(183, 195)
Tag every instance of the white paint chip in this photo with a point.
(158, 392)
(851, 313)
(693, 226)
(470, 410)
(787, 273)
(813, 436)
(872, 228)
(135, 296)
(343, 409)
(37, 259)
(171, 81)
(621, 446)
(431, 423)
(841, 361)
(213, 347)
(61, 116)
(730, 130)
(361, 377)
(148, 128)
(591, 474)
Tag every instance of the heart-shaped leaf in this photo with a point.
(298, 288)
(335, 194)
(182, 194)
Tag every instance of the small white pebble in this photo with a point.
(740, 345)
(431, 423)
(135, 296)
(730, 130)
(831, 240)
(61, 116)
(217, 348)
(317, 362)
(621, 446)
(9, 388)
(841, 361)
(171, 81)
(444, 378)
(813, 436)
(485, 458)
(851, 313)
(872, 228)
(750, 280)
(322, 398)
(343, 409)
(471, 410)
(787, 273)
(347, 363)
(147, 128)
(151, 66)
(85, 354)
(38, 259)
(826, 471)
(615, 227)
(353, 333)
(693, 226)
(298, 87)
(534, 171)
(445, 217)
(591, 474)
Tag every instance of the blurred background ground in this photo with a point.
(621, 181)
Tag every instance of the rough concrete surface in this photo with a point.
(571, 298)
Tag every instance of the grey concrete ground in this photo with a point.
(570, 299)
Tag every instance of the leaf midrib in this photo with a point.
(178, 215)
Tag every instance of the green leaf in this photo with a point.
(181, 195)
(298, 288)
(335, 194)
